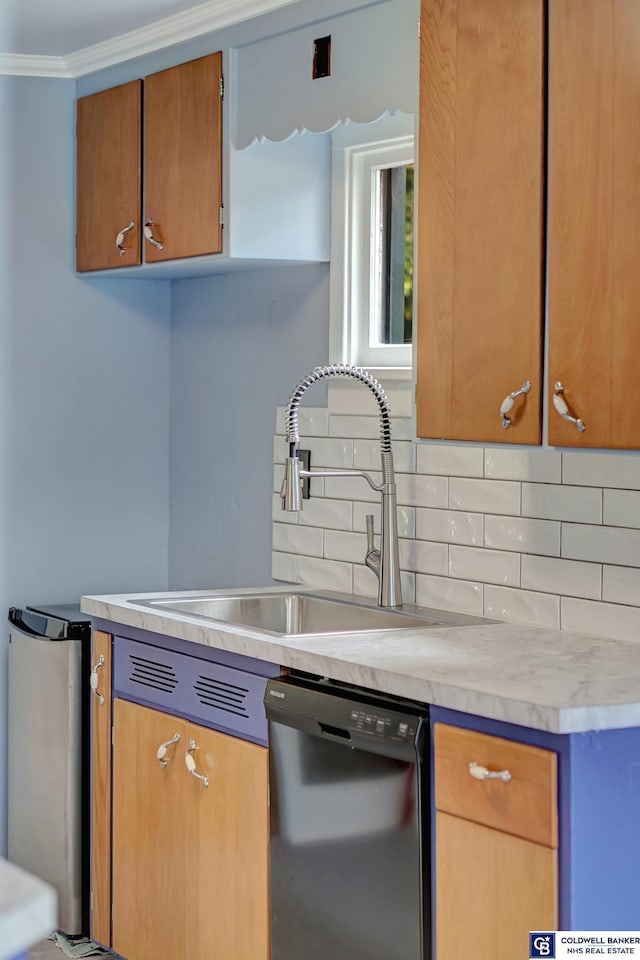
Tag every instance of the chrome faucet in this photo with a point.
(383, 561)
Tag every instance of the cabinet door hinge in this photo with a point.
(222, 86)
(221, 215)
(113, 730)
(419, 26)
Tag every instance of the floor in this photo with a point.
(46, 951)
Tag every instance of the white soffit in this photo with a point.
(203, 18)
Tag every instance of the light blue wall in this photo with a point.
(84, 388)
(239, 345)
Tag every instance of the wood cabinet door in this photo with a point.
(594, 220)
(101, 790)
(491, 889)
(227, 825)
(108, 197)
(183, 159)
(480, 218)
(149, 820)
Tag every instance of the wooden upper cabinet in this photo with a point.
(108, 177)
(480, 218)
(183, 159)
(594, 219)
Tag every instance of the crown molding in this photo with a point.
(26, 65)
(204, 18)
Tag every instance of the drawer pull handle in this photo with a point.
(481, 773)
(560, 404)
(95, 679)
(161, 752)
(148, 234)
(508, 401)
(191, 765)
(120, 238)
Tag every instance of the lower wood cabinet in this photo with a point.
(190, 840)
(496, 842)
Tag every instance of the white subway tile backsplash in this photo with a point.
(622, 508)
(601, 619)
(450, 460)
(555, 502)
(621, 585)
(444, 593)
(365, 584)
(284, 566)
(621, 470)
(617, 545)
(323, 512)
(522, 606)
(334, 452)
(523, 535)
(288, 538)
(354, 427)
(344, 546)
(423, 557)
(515, 534)
(312, 422)
(415, 491)
(572, 578)
(366, 456)
(487, 566)
(451, 526)
(406, 518)
(368, 428)
(484, 496)
(536, 466)
(325, 574)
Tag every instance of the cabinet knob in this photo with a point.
(481, 773)
(161, 752)
(190, 764)
(94, 680)
(560, 404)
(148, 234)
(120, 238)
(508, 402)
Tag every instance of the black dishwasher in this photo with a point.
(349, 823)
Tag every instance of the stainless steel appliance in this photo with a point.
(49, 651)
(349, 823)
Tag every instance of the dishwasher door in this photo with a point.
(349, 861)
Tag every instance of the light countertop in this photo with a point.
(27, 910)
(544, 679)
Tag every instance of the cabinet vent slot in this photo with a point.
(150, 673)
(221, 695)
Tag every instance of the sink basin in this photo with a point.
(305, 614)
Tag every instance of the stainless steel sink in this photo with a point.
(305, 614)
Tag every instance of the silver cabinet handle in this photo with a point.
(148, 234)
(120, 238)
(481, 773)
(190, 764)
(161, 752)
(560, 404)
(508, 401)
(95, 679)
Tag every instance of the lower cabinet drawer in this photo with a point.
(522, 801)
(209, 693)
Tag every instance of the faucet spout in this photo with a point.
(385, 561)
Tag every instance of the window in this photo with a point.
(372, 246)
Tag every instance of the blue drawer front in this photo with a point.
(208, 693)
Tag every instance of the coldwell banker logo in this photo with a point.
(542, 945)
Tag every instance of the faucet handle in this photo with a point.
(370, 542)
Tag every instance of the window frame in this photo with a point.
(358, 152)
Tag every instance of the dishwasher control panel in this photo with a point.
(383, 724)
